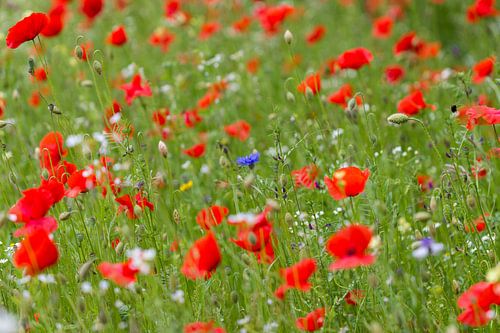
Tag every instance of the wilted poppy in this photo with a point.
(349, 246)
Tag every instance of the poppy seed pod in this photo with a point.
(398, 118)
(97, 67)
(288, 36)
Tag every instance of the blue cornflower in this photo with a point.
(425, 247)
(249, 160)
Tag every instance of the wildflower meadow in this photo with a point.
(249, 166)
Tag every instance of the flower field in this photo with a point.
(220, 166)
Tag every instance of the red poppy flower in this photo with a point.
(413, 103)
(47, 224)
(34, 205)
(80, 181)
(479, 115)
(242, 24)
(253, 65)
(123, 274)
(208, 30)
(271, 17)
(478, 225)
(306, 176)
(191, 118)
(409, 42)
(316, 34)
(127, 205)
(3, 104)
(136, 89)
(353, 297)
(25, 30)
(347, 182)
(343, 95)
(425, 183)
(239, 130)
(349, 247)
(172, 7)
(476, 303)
(208, 99)
(195, 151)
(200, 327)
(296, 277)
(163, 38)
(211, 216)
(394, 74)
(118, 36)
(312, 322)
(312, 82)
(481, 9)
(36, 253)
(202, 258)
(382, 27)
(51, 150)
(91, 8)
(483, 69)
(55, 23)
(355, 58)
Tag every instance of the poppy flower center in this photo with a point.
(351, 251)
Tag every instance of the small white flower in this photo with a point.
(8, 322)
(86, 287)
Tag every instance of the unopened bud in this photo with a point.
(290, 97)
(288, 36)
(79, 52)
(31, 66)
(162, 148)
(433, 204)
(64, 216)
(398, 118)
(85, 269)
(119, 248)
(97, 67)
(422, 216)
(249, 180)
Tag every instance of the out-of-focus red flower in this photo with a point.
(425, 183)
(343, 95)
(208, 30)
(382, 27)
(36, 253)
(162, 37)
(47, 224)
(239, 130)
(353, 297)
(25, 30)
(136, 89)
(172, 7)
(271, 17)
(91, 8)
(202, 258)
(478, 115)
(55, 23)
(296, 277)
(483, 69)
(118, 36)
(312, 82)
(355, 58)
(476, 303)
(33, 205)
(196, 151)
(242, 24)
(306, 176)
(127, 205)
(478, 225)
(316, 34)
(413, 103)
(40, 74)
(253, 65)
(200, 327)
(347, 182)
(409, 42)
(80, 181)
(51, 150)
(191, 118)
(313, 321)
(211, 216)
(123, 274)
(481, 9)
(349, 247)
(394, 74)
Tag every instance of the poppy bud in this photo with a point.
(214, 299)
(87, 83)
(471, 202)
(162, 148)
(103, 319)
(176, 216)
(31, 66)
(3, 124)
(422, 216)
(224, 162)
(452, 329)
(119, 248)
(97, 67)
(418, 234)
(84, 270)
(288, 36)
(290, 97)
(64, 215)
(375, 327)
(456, 286)
(433, 204)
(79, 52)
(352, 105)
(249, 180)
(398, 118)
(45, 173)
(54, 109)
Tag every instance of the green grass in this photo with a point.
(402, 294)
